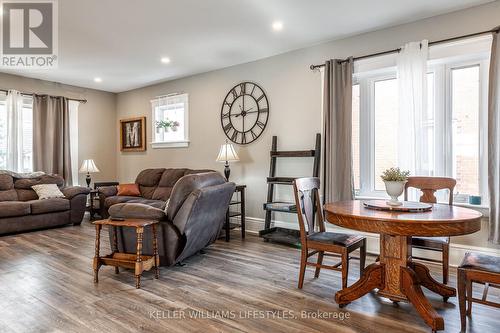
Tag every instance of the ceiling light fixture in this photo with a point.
(97, 79)
(277, 25)
(165, 60)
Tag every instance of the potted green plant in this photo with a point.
(167, 125)
(394, 180)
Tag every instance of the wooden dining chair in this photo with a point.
(428, 186)
(314, 237)
(476, 268)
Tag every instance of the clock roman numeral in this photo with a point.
(254, 136)
(261, 96)
(242, 88)
(234, 137)
(235, 94)
(260, 124)
(243, 138)
(264, 110)
(227, 103)
(253, 88)
(226, 115)
(227, 128)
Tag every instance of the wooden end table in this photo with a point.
(241, 213)
(136, 261)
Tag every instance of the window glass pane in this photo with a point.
(355, 135)
(386, 125)
(428, 124)
(465, 127)
(3, 132)
(171, 112)
(28, 135)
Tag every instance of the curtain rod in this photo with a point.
(495, 30)
(34, 94)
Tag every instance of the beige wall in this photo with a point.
(295, 97)
(96, 120)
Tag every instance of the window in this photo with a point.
(27, 135)
(455, 125)
(170, 121)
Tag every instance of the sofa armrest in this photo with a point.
(77, 197)
(108, 191)
(71, 191)
(136, 211)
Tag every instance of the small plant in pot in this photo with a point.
(395, 180)
(167, 125)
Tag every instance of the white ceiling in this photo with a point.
(122, 41)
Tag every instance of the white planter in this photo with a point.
(394, 189)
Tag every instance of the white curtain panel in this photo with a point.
(413, 141)
(14, 104)
(494, 140)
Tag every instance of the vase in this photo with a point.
(174, 128)
(394, 189)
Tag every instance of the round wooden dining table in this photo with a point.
(396, 276)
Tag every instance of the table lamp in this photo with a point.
(88, 166)
(227, 154)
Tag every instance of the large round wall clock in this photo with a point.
(244, 113)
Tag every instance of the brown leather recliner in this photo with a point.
(193, 219)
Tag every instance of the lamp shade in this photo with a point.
(88, 166)
(227, 153)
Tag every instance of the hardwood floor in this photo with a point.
(46, 285)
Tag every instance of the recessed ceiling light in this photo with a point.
(97, 79)
(165, 60)
(277, 25)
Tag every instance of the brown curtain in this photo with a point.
(51, 137)
(337, 128)
(494, 140)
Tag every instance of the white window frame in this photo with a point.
(442, 69)
(170, 144)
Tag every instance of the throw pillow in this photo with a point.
(47, 191)
(131, 190)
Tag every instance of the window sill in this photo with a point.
(172, 144)
(483, 209)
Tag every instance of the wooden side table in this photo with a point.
(136, 261)
(240, 189)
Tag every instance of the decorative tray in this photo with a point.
(407, 206)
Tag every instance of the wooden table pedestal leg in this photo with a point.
(138, 262)
(373, 277)
(155, 252)
(97, 263)
(411, 288)
(426, 280)
(394, 254)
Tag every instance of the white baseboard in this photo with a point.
(457, 251)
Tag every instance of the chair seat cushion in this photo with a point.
(334, 238)
(421, 241)
(49, 205)
(14, 208)
(482, 262)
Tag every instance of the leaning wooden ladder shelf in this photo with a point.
(277, 234)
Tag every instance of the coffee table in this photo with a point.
(136, 261)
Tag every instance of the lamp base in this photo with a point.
(88, 179)
(227, 171)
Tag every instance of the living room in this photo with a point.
(228, 129)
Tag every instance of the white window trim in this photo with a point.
(442, 71)
(170, 144)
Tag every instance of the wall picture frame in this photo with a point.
(133, 134)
